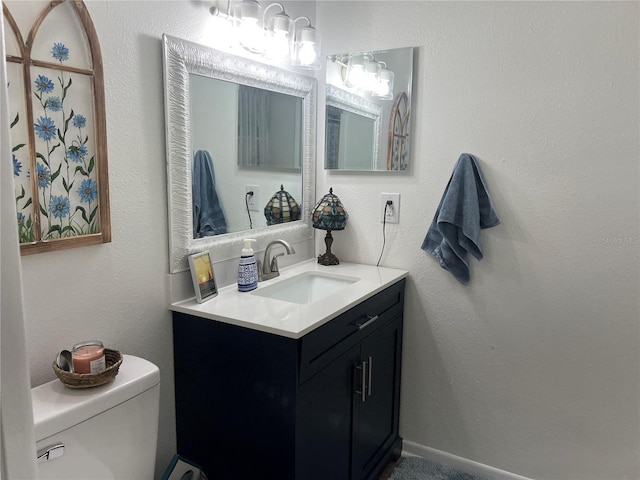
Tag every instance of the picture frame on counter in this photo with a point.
(204, 279)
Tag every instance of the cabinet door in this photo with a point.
(324, 423)
(376, 413)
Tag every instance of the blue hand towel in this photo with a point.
(208, 218)
(465, 209)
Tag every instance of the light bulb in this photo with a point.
(307, 48)
(307, 53)
(247, 19)
(251, 35)
(371, 75)
(384, 87)
(279, 34)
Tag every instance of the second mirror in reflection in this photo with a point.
(368, 98)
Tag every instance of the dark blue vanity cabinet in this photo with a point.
(252, 405)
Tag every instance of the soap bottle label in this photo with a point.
(247, 274)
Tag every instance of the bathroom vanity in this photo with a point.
(305, 388)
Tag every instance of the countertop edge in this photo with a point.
(207, 310)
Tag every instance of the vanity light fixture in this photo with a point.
(371, 75)
(248, 23)
(273, 36)
(306, 52)
(384, 87)
(353, 72)
(363, 73)
(329, 214)
(278, 34)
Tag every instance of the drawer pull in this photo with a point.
(370, 386)
(369, 321)
(363, 381)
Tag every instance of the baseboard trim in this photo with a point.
(412, 449)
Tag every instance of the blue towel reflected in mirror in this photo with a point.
(208, 217)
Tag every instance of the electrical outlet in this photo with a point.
(252, 200)
(391, 212)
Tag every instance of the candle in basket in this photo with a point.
(88, 357)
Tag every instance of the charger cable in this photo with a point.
(246, 202)
(384, 224)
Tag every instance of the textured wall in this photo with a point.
(533, 368)
(118, 292)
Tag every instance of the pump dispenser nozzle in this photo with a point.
(248, 246)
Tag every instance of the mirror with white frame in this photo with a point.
(187, 63)
(352, 131)
(364, 83)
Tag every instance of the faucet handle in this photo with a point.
(274, 262)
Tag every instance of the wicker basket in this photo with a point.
(113, 359)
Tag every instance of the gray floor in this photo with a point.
(387, 471)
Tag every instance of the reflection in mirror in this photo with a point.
(379, 80)
(269, 128)
(198, 127)
(253, 138)
(352, 130)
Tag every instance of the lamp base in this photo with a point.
(328, 258)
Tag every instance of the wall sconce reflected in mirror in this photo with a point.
(363, 73)
(272, 35)
(384, 88)
(329, 214)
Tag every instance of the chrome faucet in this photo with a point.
(269, 267)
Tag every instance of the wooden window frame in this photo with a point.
(100, 127)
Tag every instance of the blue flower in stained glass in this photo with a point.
(43, 84)
(79, 121)
(53, 103)
(45, 128)
(77, 152)
(59, 206)
(44, 176)
(60, 52)
(88, 190)
(17, 166)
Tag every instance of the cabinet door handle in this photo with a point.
(368, 322)
(363, 381)
(370, 382)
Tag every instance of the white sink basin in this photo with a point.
(306, 287)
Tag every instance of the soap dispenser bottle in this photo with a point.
(247, 268)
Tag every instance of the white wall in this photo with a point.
(534, 367)
(118, 292)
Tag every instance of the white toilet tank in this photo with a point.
(107, 432)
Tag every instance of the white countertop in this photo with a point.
(291, 319)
